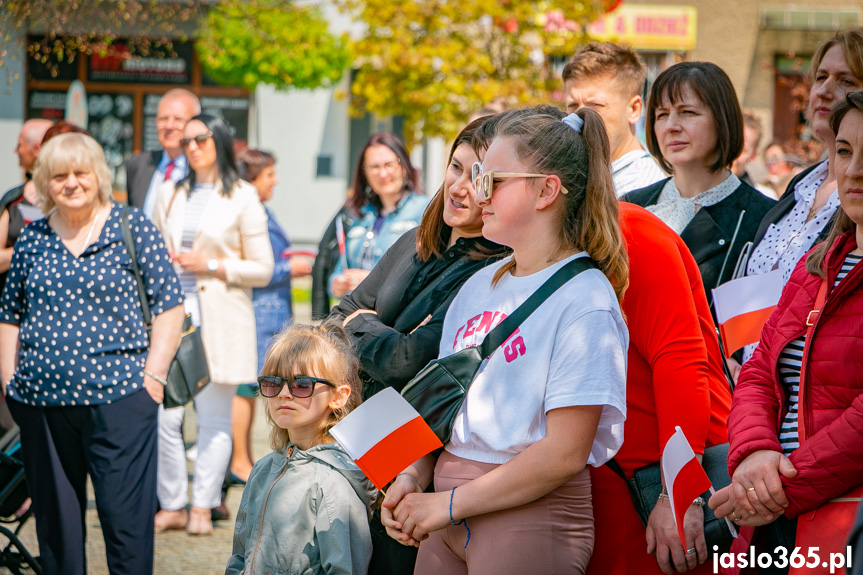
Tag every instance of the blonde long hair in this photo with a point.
(323, 352)
(590, 218)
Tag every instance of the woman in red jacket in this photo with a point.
(782, 465)
(674, 377)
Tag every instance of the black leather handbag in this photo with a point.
(189, 372)
(438, 391)
(646, 484)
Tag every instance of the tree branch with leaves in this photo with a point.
(436, 61)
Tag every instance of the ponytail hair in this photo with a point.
(590, 215)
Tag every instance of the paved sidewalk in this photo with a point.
(177, 553)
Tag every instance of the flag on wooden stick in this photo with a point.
(384, 435)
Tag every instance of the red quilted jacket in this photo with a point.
(829, 460)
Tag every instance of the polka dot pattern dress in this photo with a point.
(82, 336)
(788, 240)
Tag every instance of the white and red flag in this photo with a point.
(384, 435)
(743, 306)
(685, 479)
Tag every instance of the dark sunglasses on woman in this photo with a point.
(299, 386)
(199, 140)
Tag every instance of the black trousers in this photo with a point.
(389, 557)
(117, 445)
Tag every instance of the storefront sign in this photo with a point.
(157, 66)
(648, 27)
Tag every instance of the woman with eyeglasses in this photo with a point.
(216, 231)
(395, 317)
(511, 487)
(387, 201)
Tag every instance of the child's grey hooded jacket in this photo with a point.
(304, 513)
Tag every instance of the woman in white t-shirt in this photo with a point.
(552, 400)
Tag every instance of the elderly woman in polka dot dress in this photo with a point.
(81, 377)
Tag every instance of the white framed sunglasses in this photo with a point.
(483, 182)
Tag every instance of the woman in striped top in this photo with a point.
(796, 422)
(216, 231)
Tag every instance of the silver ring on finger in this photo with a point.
(690, 551)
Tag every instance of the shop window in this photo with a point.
(808, 18)
(848, 19)
(773, 19)
(798, 20)
(823, 20)
(324, 166)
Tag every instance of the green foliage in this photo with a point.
(436, 61)
(272, 42)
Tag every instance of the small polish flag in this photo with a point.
(685, 479)
(384, 435)
(743, 306)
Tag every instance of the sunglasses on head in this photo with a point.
(483, 183)
(199, 140)
(298, 386)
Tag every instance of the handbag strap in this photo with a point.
(130, 247)
(615, 466)
(811, 323)
(505, 329)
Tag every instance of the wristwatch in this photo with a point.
(212, 265)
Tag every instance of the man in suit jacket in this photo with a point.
(146, 171)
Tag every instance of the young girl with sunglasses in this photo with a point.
(306, 505)
(512, 493)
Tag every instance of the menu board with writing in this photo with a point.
(109, 122)
(234, 111)
(46, 105)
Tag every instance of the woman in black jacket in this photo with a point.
(695, 130)
(395, 316)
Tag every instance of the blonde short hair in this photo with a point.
(61, 153)
(323, 352)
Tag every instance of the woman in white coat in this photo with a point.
(216, 231)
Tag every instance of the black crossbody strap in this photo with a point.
(505, 329)
(615, 466)
(130, 247)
